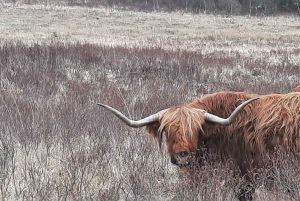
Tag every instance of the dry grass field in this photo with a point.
(105, 26)
(57, 62)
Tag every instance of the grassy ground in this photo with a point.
(167, 30)
(57, 62)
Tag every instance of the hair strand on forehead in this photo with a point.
(185, 120)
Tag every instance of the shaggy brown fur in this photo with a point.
(273, 121)
(262, 127)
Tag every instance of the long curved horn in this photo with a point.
(225, 122)
(136, 124)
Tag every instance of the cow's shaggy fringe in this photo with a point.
(182, 121)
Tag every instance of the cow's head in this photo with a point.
(181, 126)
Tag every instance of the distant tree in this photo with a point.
(245, 5)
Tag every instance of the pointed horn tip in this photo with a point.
(105, 106)
(252, 99)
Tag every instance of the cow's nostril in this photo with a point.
(173, 160)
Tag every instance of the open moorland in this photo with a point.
(57, 62)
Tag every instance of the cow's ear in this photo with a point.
(153, 129)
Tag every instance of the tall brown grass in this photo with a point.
(56, 144)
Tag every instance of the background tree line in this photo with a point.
(255, 7)
(252, 7)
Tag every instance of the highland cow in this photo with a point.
(255, 127)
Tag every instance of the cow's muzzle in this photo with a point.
(183, 158)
